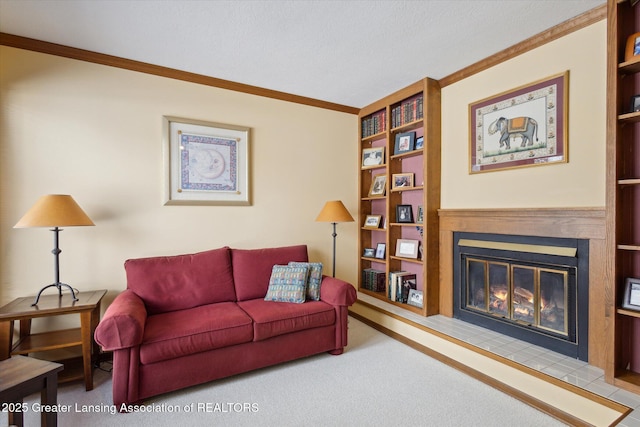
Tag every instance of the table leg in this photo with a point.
(16, 418)
(25, 328)
(95, 319)
(87, 345)
(6, 339)
(49, 396)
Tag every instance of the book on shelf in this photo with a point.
(407, 282)
(408, 111)
(373, 280)
(391, 288)
(400, 283)
(374, 124)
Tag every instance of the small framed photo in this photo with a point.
(631, 297)
(372, 157)
(420, 143)
(635, 104)
(405, 142)
(407, 248)
(420, 216)
(378, 186)
(415, 298)
(401, 180)
(633, 47)
(369, 252)
(380, 250)
(404, 213)
(372, 221)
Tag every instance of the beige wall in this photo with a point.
(578, 183)
(95, 132)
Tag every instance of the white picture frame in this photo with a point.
(407, 248)
(206, 163)
(415, 298)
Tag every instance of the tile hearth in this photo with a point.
(562, 367)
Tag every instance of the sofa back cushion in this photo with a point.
(252, 268)
(178, 282)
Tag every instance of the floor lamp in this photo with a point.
(334, 212)
(55, 210)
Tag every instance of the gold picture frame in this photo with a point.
(632, 49)
(206, 163)
(378, 186)
(401, 180)
(373, 157)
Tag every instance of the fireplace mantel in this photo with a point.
(583, 223)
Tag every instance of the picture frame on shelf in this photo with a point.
(404, 214)
(419, 143)
(372, 221)
(407, 283)
(372, 157)
(522, 127)
(405, 142)
(407, 248)
(631, 296)
(632, 49)
(380, 250)
(401, 180)
(205, 163)
(369, 252)
(420, 215)
(634, 106)
(415, 298)
(378, 186)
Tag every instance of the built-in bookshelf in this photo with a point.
(623, 191)
(399, 186)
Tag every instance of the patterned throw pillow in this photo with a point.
(288, 284)
(315, 279)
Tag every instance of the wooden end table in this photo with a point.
(21, 376)
(20, 309)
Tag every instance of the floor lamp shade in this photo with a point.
(334, 212)
(55, 210)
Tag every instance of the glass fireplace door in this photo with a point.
(533, 296)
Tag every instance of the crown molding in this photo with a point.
(156, 70)
(574, 24)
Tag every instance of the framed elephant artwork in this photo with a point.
(526, 126)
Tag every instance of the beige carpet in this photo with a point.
(378, 381)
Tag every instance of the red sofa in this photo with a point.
(188, 319)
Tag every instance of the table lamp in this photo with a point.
(334, 212)
(55, 210)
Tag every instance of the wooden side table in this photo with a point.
(20, 309)
(21, 376)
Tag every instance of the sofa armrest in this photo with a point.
(122, 325)
(337, 292)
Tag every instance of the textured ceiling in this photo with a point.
(349, 52)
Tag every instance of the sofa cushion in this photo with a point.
(272, 319)
(314, 281)
(180, 333)
(288, 283)
(252, 268)
(178, 282)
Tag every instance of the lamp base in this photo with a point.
(56, 285)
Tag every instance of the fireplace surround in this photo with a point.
(532, 288)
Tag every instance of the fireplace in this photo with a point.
(531, 288)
